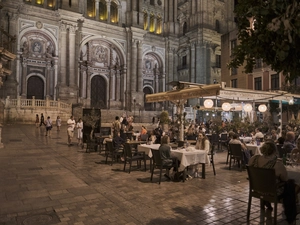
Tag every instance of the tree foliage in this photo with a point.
(268, 30)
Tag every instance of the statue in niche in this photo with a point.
(49, 52)
(25, 48)
(148, 65)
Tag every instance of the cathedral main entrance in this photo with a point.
(98, 92)
(35, 87)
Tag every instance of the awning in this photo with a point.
(186, 93)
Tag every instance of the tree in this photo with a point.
(268, 30)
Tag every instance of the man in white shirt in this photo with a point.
(71, 125)
(258, 134)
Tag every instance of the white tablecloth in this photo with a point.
(246, 139)
(147, 148)
(294, 173)
(254, 148)
(188, 158)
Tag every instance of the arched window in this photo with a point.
(159, 25)
(102, 10)
(184, 28)
(152, 25)
(39, 2)
(114, 12)
(145, 20)
(90, 8)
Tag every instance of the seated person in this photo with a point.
(165, 154)
(289, 143)
(268, 159)
(258, 134)
(246, 152)
(118, 142)
(143, 130)
(152, 137)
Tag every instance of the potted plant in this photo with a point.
(164, 120)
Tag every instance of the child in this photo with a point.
(58, 123)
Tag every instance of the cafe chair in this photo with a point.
(214, 139)
(158, 164)
(223, 141)
(144, 137)
(129, 157)
(110, 152)
(236, 154)
(211, 154)
(263, 185)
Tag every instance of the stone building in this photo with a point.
(110, 53)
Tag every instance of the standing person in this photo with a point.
(70, 130)
(116, 126)
(48, 126)
(79, 127)
(37, 121)
(58, 123)
(42, 120)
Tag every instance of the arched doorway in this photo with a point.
(35, 87)
(147, 106)
(98, 92)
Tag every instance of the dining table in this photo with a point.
(254, 148)
(190, 156)
(246, 139)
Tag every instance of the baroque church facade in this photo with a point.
(110, 53)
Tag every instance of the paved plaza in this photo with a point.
(43, 181)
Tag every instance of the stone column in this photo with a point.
(97, 9)
(198, 64)
(155, 24)
(118, 85)
(140, 67)
(192, 63)
(24, 76)
(112, 81)
(48, 78)
(88, 84)
(119, 14)
(63, 54)
(72, 59)
(108, 10)
(148, 21)
(133, 86)
(55, 78)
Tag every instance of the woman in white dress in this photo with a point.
(79, 127)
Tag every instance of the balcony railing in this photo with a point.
(36, 103)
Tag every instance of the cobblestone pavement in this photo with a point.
(43, 181)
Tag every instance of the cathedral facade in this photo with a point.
(110, 53)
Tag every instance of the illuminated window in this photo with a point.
(91, 8)
(51, 3)
(39, 2)
(102, 10)
(159, 25)
(151, 29)
(113, 12)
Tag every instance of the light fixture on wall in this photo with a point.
(226, 106)
(248, 107)
(208, 103)
(262, 108)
